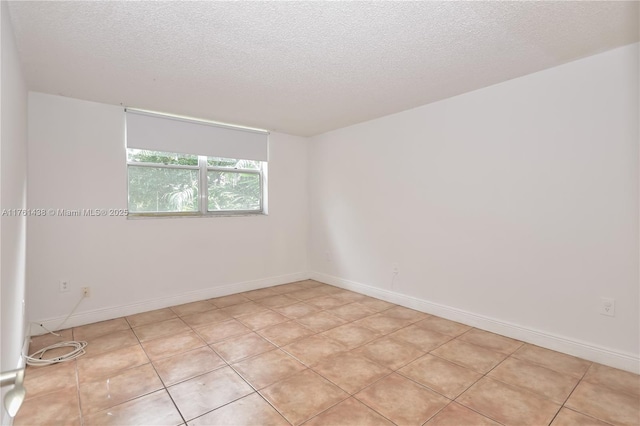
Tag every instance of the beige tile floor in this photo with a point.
(311, 353)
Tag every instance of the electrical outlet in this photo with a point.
(86, 291)
(607, 307)
(64, 286)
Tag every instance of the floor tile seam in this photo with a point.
(482, 376)
(349, 349)
(332, 382)
(270, 384)
(86, 339)
(213, 299)
(437, 412)
(586, 381)
(591, 416)
(419, 384)
(160, 335)
(489, 348)
(295, 357)
(581, 376)
(163, 389)
(370, 385)
(547, 368)
(396, 369)
(157, 374)
(91, 356)
(110, 350)
(296, 318)
(245, 396)
(30, 370)
(233, 336)
(195, 327)
(185, 379)
(255, 330)
(397, 340)
(280, 306)
(163, 357)
(111, 373)
(280, 380)
(441, 344)
(181, 316)
(175, 405)
(127, 400)
(354, 396)
(326, 312)
(539, 395)
(325, 410)
(487, 415)
(466, 366)
(313, 333)
(188, 303)
(77, 377)
(272, 406)
(618, 391)
(391, 370)
(470, 409)
(235, 361)
(526, 391)
(255, 356)
(378, 331)
(212, 410)
(505, 356)
(434, 390)
(43, 394)
(175, 315)
(577, 383)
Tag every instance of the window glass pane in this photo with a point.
(233, 191)
(233, 163)
(145, 156)
(162, 189)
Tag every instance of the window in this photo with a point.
(166, 183)
(197, 177)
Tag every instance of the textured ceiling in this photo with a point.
(301, 67)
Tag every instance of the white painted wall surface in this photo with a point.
(13, 195)
(516, 203)
(77, 160)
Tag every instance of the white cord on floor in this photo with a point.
(36, 357)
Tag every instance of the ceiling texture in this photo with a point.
(302, 68)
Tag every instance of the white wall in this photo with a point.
(514, 207)
(77, 160)
(13, 174)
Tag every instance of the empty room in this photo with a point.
(320, 213)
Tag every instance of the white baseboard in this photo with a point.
(104, 314)
(591, 352)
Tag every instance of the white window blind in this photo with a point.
(175, 134)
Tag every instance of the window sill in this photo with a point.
(142, 216)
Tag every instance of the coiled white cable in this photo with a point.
(37, 359)
(78, 347)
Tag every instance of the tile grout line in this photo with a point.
(324, 293)
(164, 385)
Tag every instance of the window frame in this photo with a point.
(203, 188)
